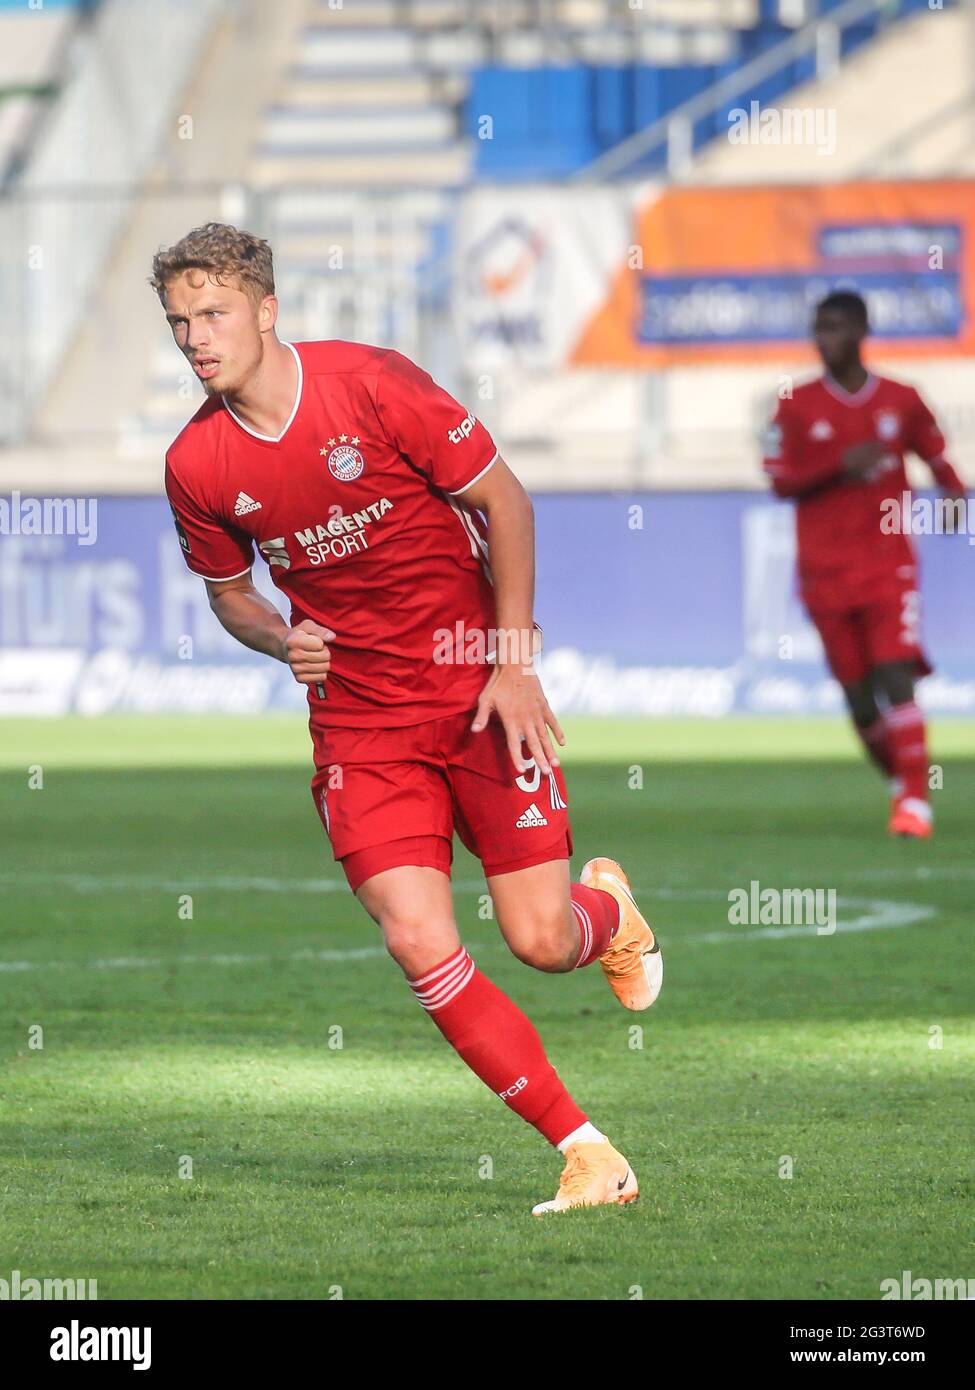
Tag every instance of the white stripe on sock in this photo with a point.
(461, 985)
(585, 926)
(448, 981)
(903, 716)
(438, 970)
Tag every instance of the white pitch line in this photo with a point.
(127, 883)
(917, 873)
(151, 962)
(230, 883)
(911, 873)
(880, 912)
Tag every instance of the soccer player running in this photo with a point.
(377, 502)
(837, 446)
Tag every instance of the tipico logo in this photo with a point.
(24, 1288)
(920, 1290)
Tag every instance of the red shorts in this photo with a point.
(873, 632)
(389, 797)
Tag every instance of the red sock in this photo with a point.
(876, 740)
(598, 916)
(498, 1043)
(905, 724)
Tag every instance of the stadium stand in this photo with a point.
(33, 57)
(73, 198)
(349, 138)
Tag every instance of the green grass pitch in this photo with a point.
(382, 1168)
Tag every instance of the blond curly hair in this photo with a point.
(225, 253)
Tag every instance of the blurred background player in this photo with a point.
(837, 446)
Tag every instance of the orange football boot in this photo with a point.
(911, 817)
(632, 962)
(595, 1175)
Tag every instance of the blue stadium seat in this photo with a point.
(550, 121)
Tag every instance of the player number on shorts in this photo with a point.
(911, 618)
(531, 778)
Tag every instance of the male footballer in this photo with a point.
(386, 516)
(837, 447)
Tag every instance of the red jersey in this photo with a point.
(844, 553)
(357, 508)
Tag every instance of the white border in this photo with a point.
(226, 578)
(270, 438)
(845, 397)
(457, 491)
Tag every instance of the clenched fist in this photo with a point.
(305, 650)
(860, 459)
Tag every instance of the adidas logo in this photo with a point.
(531, 817)
(245, 504)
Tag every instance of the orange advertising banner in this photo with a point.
(732, 274)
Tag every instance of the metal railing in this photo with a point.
(370, 266)
(674, 132)
(81, 17)
(559, 22)
(128, 72)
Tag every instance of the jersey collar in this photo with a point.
(275, 438)
(851, 397)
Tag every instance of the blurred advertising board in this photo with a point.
(652, 276)
(651, 603)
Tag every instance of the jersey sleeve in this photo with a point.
(437, 434)
(211, 548)
(790, 468)
(927, 441)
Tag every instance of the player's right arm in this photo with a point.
(222, 556)
(255, 622)
(795, 469)
(928, 442)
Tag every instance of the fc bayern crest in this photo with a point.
(888, 423)
(345, 463)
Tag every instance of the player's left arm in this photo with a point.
(513, 691)
(927, 441)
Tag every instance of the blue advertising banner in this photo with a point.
(778, 307)
(651, 603)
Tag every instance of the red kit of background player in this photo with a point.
(837, 446)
